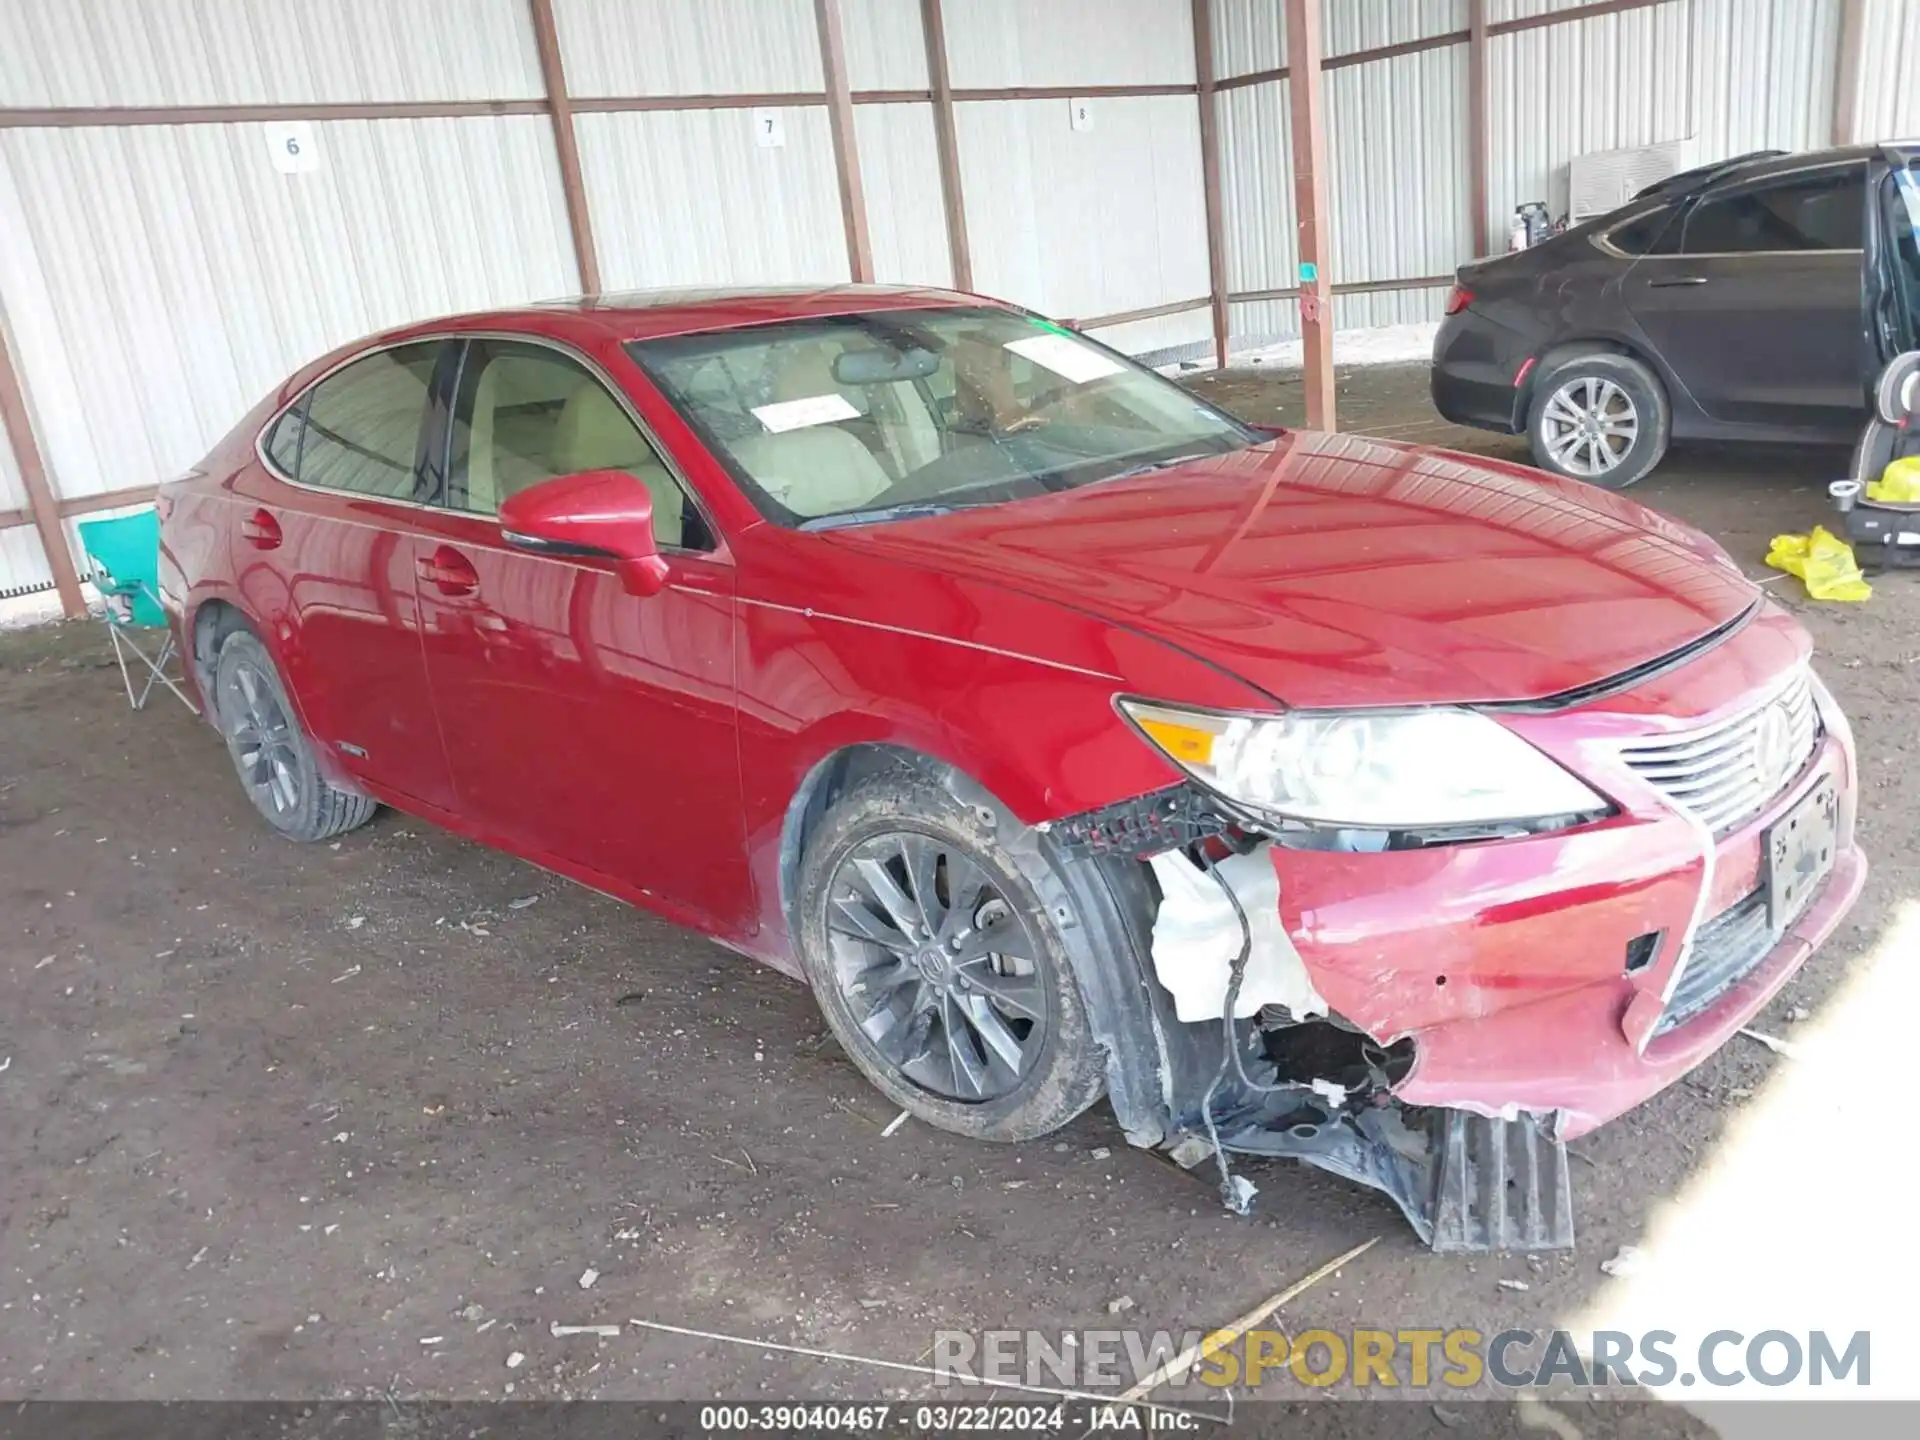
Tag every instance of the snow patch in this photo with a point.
(1380, 345)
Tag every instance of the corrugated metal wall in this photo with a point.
(1083, 222)
(1396, 153)
(1597, 84)
(1732, 75)
(157, 279)
(1888, 102)
(1396, 150)
(233, 52)
(1069, 42)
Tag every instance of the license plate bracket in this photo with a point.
(1800, 849)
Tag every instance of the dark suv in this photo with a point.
(1755, 299)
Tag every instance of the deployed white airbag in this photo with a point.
(1196, 936)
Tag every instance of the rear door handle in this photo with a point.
(1673, 280)
(448, 571)
(261, 530)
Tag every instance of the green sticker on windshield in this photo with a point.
(1049, 325)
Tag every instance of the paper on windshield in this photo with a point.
(1066, 357)
(786, 415)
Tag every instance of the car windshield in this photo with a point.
(852, 419)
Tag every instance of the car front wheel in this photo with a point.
(938, 968)
(1600, 418)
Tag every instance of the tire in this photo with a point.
(952, 1069)
(1620, 396)
(271, 753)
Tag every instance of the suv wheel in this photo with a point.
(1600, 418)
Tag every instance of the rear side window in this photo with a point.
(283, 445)
(1651, 234)
(1808, 212)
(362, 424)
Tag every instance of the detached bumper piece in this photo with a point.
(1500, 1185)
(1468, 1184)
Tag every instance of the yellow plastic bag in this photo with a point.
(1899, 483)
(1824, 561)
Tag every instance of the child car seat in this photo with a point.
(1892, 433)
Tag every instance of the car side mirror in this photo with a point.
(594, 515)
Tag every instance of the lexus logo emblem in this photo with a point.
(1773, 746)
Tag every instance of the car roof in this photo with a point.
(648, 314)
(1760, 167)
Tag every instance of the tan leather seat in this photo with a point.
(495, 467)
(594, 433)
(815, 469)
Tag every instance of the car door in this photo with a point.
(1758, 309)
(582, 723)
(1892, 266)
(324, 552)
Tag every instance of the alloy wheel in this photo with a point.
(937, 967)
(1589, 426)
(262, 740)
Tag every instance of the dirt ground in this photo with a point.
(352, 1121)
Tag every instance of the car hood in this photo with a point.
(1333, 570)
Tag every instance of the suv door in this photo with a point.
(1755, 304)
(582, 723)
(324, 554)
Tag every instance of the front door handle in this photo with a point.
(1672, 280)
(261, 530)
(448, 571)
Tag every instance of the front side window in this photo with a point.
(853, 417)
(525, 413)
(1807, 212)
(362, 430)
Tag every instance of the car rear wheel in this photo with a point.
(271, 754)
(1600, 418)
(938, 969)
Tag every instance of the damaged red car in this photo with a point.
(1306, 795)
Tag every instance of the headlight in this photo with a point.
(1424, 769)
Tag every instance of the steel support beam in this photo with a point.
(846, 148)
(1309, 205)
(1479, 139)
(41, 503)
(1210, 176)
(946, 141)
(546, 38)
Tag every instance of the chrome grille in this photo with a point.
(1724, 949)
(1723, 774)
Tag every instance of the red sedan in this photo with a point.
(1305, 794)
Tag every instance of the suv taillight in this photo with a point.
(1458, 299)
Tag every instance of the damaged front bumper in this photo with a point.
(1437, 1023)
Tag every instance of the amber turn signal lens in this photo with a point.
(1185, 743)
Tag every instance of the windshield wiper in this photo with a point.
(906, 510)
(1151, 466)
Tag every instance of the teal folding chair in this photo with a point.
(124, 554)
